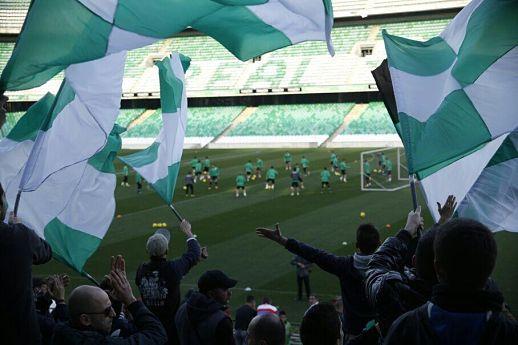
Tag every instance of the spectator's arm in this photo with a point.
(60, 313)
(189, 259)
(326, 261)
(150, 329)
(41, 250)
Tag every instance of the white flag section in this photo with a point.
(159, 164)
(73, 208)
(81, 119)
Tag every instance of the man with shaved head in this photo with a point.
(266, 329)
(91, 315)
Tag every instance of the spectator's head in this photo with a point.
(250, 300)
(294, 168)
(283, 316)
(325, 168)
(266, 329)
(90, 308)
(216, 285)
(313, 299)
(272, 167)
(465, 254)
(338, 304)
(424, 256)
(158, 244)
(3, 204)
(321, 325)
(267, 300)
(367, 239)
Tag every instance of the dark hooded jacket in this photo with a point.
(20, 248)
(456, 317)
(150, 331)
(391, 288)
(202, 321)
(350, 270)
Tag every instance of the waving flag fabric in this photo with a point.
(159, 164)
(73, 208)
(60, 33)
(456, 103)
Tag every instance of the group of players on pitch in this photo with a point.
(207, 172)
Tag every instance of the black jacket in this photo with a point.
(20, 248)
(150, 331)
(456, 318)
(357, 312)
(49, 321)
(391, 288)
(201, 321)
(159, 283)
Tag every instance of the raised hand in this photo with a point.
(273, 235)
(57, 288)
(185, 227)
(446, 211)
(414, 222)
(121, 286)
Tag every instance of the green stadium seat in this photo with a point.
(293, 119)
(374, 120)
(10, 122)
(201, 122)
(126, 116)
(417, 30)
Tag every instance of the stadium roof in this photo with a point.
(12, 12)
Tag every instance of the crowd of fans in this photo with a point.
(418, 287)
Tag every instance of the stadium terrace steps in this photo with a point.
(215, 72)
(128, 116)
(248, 111)
(10, 121)
(202, 122)
(355, 113)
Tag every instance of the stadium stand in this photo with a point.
(126, 116)
(417, 30)
(201, 122)
(10, 121)
(6, 48)
(365, 8)
(374, 120)
(12, 15)
(296, 119)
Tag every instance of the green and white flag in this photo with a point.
(73, 208)
(159, 164)
(456, 102)
(81, 118)
(59, 33)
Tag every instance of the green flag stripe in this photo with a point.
(419, 58)
(28, 126)
(454, 129)
(491, 32)
(86, 39)
(506, 152)
(142, 158)
(242, 32)
(165, 186)
(170, 87)
(103, 160)
(70, 246)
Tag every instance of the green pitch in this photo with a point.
(226, 225)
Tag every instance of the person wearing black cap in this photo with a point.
(201, 320)
(159, 279)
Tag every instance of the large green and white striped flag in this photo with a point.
(159, 164)
(456, 104)
(60, 33)
(73, 208)
(81, 118)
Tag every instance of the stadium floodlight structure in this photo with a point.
(381, 185)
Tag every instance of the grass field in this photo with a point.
(226, 225)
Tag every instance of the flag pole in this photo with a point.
(176, 213)
(92, 279)
(413, 191)
(17, 202)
